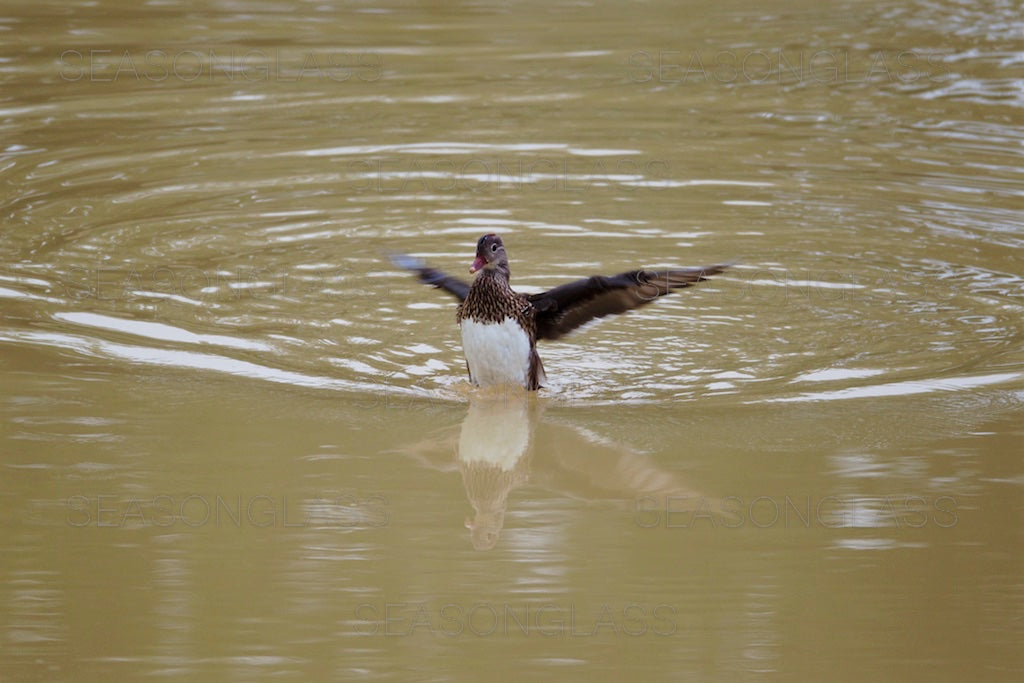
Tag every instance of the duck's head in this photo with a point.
(490, 254)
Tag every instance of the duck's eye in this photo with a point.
(494, 247)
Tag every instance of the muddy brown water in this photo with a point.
(238, 444)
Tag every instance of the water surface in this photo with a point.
(238, 443)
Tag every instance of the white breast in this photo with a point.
(497, 353)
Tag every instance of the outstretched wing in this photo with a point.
(564, 308)
(453, 285)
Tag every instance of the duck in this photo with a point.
(501, 327)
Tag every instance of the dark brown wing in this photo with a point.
(564, 308)
(453, 285)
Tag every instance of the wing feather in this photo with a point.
(431, 276)
(566, 307)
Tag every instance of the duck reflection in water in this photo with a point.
(493, 457)
(506, 442)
